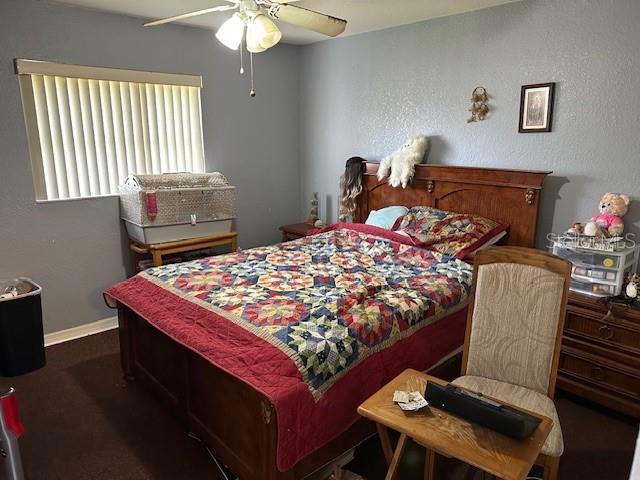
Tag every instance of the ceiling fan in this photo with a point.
(255, 16)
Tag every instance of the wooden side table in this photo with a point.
(446, 434)
(295, 231)
(157, 250)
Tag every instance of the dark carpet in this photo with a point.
(84, 422)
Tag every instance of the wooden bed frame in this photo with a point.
(512, 196)
(237, 422)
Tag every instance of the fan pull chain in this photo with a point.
(241, 60)
(252, 93)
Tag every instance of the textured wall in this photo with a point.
(354, 96)
(363, 95)
(76, 248)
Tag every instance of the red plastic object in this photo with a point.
(11, 415)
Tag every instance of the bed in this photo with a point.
(255, 385)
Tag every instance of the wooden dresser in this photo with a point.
(600, 356)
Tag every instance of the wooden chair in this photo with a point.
(514, 329)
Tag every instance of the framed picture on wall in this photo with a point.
(536, 107)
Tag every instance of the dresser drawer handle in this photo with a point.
(598, 374)
(606, 332)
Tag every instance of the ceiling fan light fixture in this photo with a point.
(253, 40)
(231, 32)
(263, 32)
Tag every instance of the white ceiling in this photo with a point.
(362, 15)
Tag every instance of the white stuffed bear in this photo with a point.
(402, 162)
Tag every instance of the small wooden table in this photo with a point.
(295, 231)
(446, 434)
(157, 250)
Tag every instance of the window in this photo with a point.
(90, 127)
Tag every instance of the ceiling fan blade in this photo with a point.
(318, 22)
(175, 18)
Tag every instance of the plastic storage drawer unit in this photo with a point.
(593, 258)
(598, 273)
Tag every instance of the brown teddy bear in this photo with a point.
(608, 222)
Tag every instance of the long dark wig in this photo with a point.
(350, 187)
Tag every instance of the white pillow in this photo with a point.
(386, 217)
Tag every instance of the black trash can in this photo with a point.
(21, 335)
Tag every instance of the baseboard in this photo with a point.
(80, 331)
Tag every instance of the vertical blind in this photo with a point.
(92, 133)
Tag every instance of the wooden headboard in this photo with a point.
(512, 196)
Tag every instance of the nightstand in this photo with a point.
(600, 355)
(295, 231)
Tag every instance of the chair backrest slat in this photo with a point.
(516, 317)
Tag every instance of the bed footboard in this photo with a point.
(236, 422)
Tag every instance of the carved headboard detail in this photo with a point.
(512, 196)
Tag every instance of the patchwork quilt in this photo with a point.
(455, 234)
(319, 308)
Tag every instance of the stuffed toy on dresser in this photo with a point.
(607, 223)
(613, 206)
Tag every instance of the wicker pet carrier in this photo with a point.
(176, 206)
